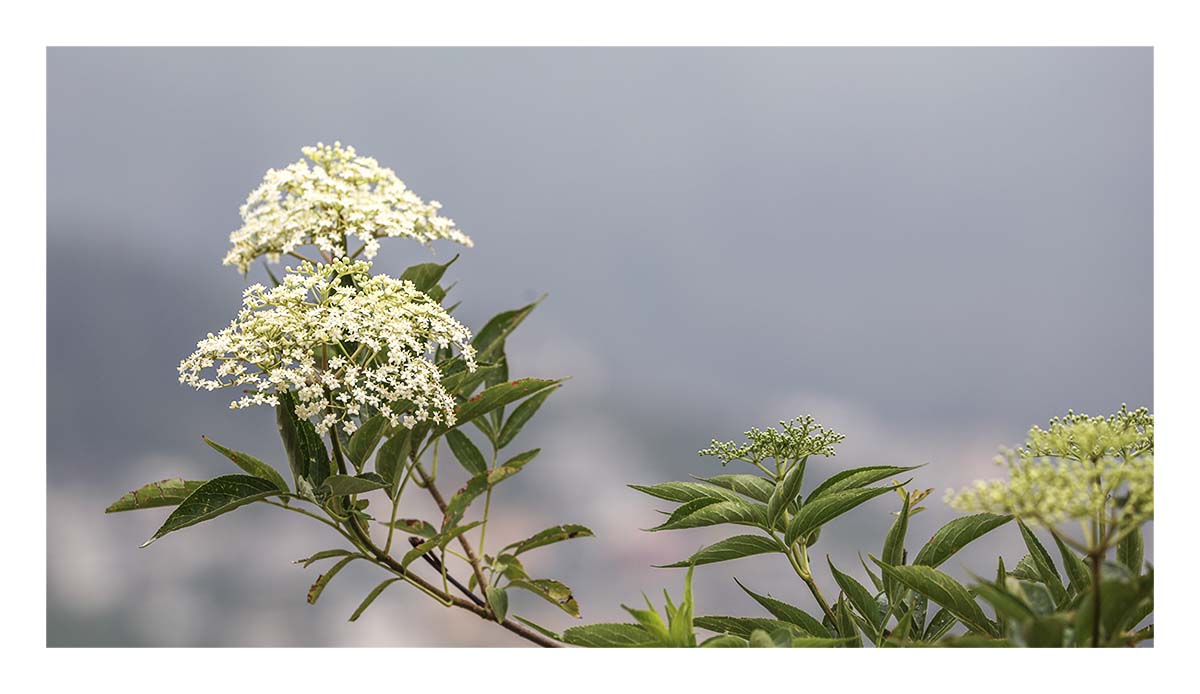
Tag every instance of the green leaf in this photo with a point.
(489, 341)
(390, 460)
(1131, 551)
(683, 631)
(785, 493)
(520, 416)
(943, 590)
(324, 554)
(724, 641)
(955, 535)
(305, 450)
(845, 624)
(467, 453)
(344, 485)
(734, 547)
(608, 636)
(1026, 569)
(893, 547)
(943, 620)
(362, 607)
(684, 492)
(788, 613)
(753, 486)
(538, 628)
(683, 511)
(816, 512)
(250, 464)
(738, 512)
(1004, 603)
(855, 478)
(1076, 571)
(519, 460)
(462, 383)
(551, 591)
(426, 275)
(323, 580)
(497, 599)
(440, 540)
(875, 579)
(549, 536)
(414, 526)
(216, 497)
(744, 626)
(169, 492)
(364, 440)
(499, 395)
(1047, 572)
(860, 598)
(761, 639)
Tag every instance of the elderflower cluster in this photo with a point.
(339, 196)
(1080, 468)
(348, 343)
(798, 439)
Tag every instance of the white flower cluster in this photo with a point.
(348, 343)
(341, 195)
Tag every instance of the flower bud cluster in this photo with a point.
(799, 438)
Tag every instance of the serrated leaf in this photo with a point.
(744, 626)
(499, 395)
(314, 592)
(521, 415)
(520, 460)
(816, 512)
(729, 548)
(324, 554)
(415, 526)
(250, 464)
(489, 341)
(943, 620)
(855, 478)
(943, 590)
(787, 613)
(785, 493)
(893, 547)
(168, 492)
(363, 441)
(305, 450)
(860, 598)
(467, 453)
(426, 275)
(362, 607)
(608, 636)
(1026, 569)
(1047, 572)
(344, 485)
(551, 591)
(216, 497)
(683, 492)
(391, 459)
(1004, 603)
(497, 600)
(724, 641)
(463, 382)
(549, 536)
(683, 511)
(955, 535)
(846, 628)
(440, 540)
(737, 512)
(753, 486)
(1131, 551)
(1076, 571)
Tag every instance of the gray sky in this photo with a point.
(930, 250)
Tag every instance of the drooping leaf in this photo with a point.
(362, 607)
(785, 493)
(324, 554)
(499, 395)
(391, 459)
(788, 613)
(169, 492)
(855, 478)
(305, 450)
(497, 599)
(250, 464)
(549, 536)
(363, 441)
(521, 415)
(729, 548)
(216, 497)
(816, 512)
(467, 453)
(943, 590)
(1047, 572)
(753, 486)
(344, 485)
(314, 592)
(551, 591)
(539, 628)
(955, 535)
(608, 636)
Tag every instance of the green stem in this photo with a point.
(1096, 558)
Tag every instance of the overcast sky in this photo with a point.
(930, 250)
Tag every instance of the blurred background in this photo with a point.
(928, 250)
